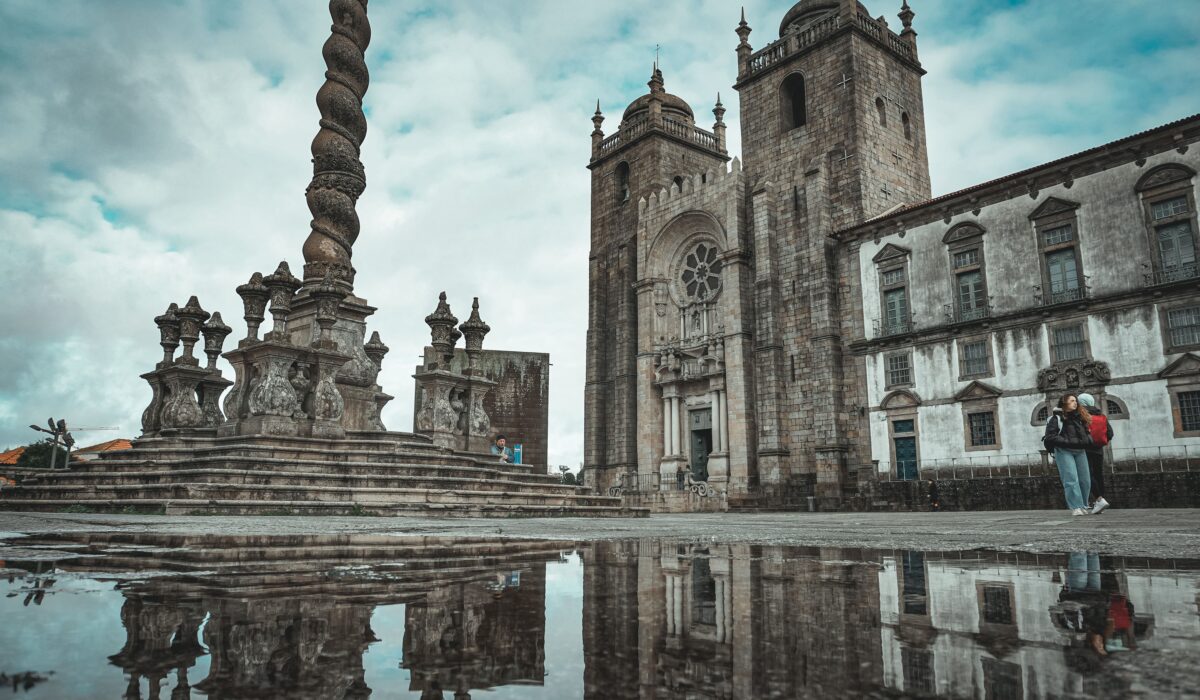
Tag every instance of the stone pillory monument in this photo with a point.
(298, 429)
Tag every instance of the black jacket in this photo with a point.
(1067, 432)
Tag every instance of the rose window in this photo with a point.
(701, 278)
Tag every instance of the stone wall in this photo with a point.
(1123, 490)
(519, 404)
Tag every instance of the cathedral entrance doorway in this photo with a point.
(700, 428)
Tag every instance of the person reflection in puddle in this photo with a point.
(1104, 619)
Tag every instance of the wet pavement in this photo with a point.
(165, 608)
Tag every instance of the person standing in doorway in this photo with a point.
(500, 450)
(1102, 434)
(1067, 435)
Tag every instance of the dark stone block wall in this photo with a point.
(519, 405)
(1124, 490)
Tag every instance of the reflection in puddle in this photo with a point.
(383, 617)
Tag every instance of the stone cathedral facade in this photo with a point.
(809, 321)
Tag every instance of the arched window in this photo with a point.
(907, 126)
(793, 107)
(1041, 414)
(622, 183)
(1115, 408)
(882, 109)
(678, 182)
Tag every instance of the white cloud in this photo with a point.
(188, 124)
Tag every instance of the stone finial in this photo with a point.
(215, 332)
(906, 18)
(442, 330)
(282, 286)
(254, 296)
(597, 132)
(474, 330)
(328, 296)
(376, 350)
(338, 174)
(743, 49)
(168, 334)
(191, 316)
(719, 126)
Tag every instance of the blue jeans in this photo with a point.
(1083, 571)
(1076, 479)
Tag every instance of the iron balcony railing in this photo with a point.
(1171, 275)
(887, 327)
(955, 313)
(1063, 296)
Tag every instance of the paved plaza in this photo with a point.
(1162, 533)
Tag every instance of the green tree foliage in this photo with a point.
(37, 456)
(567, 477)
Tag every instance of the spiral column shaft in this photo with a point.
(338, 175)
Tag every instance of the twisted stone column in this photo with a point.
(338, 175)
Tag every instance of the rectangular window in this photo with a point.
(893, 277)
(1064, 276)
(896, 318)
(975, 358)
(1169, 208)
(904, 426)
(983, 429)
(972, 304)
(1184, 325)
(1189, 410)
(918, 670)
(997, 605)
(966, 258)
(1059, 234)
(1177, 251)
(899, 371)
(1068, 343)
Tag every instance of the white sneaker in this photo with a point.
(1079, 511)
(1099, 505)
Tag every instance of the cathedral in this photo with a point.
(808, 324)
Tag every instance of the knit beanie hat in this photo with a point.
(1087, 400)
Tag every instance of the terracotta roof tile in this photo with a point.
(110, 446)
(11, 456)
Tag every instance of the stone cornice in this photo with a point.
(1177, 135)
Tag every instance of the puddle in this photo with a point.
(144, 616)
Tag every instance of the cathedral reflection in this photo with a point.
(292, 617)
(671, 620)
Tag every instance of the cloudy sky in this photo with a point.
(157, 149)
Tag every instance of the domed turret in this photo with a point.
(672, 105)
(805, 12)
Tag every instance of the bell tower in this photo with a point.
(656, 143)
(838, 88)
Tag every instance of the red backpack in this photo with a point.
(1099, 430)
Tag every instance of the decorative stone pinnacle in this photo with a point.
(215, 332)
(474, 330)
(168, 333)
(442, 332)
(597, 120)
(375, 349)
(282, 286)
(254, 296)
(743, 31)
(338, 175)
(191, 316)
(719, 110)
(906, 17)
(328, 296)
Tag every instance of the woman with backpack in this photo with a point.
(1067, 435)
(1102, 434)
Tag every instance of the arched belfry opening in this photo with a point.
(793, 105)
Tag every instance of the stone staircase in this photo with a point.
(389, 474)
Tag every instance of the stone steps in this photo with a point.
(245, 506)
(282, 468)
(253, 478)
(363, 496)
(267, 475)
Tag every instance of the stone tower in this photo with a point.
(833, 133)
(656, 145)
